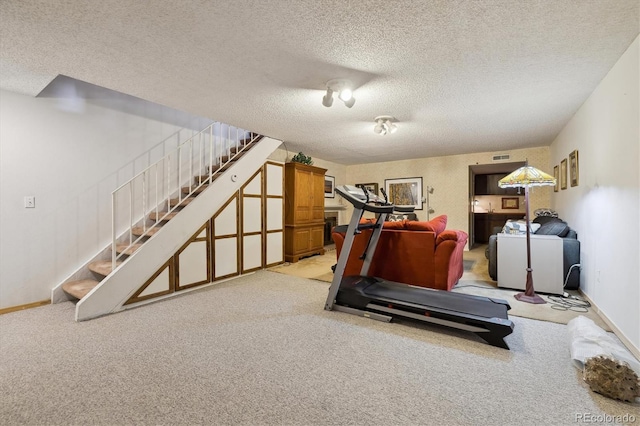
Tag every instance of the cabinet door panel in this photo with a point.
(301, 240)
(303, 196)
(304, 183)
(317, 237)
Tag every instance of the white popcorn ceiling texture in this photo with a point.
(460, 76)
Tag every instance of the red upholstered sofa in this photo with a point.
(418, 253)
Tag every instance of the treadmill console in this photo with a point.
(364, 199)
(360, 194)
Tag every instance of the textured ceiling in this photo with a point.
(459, 76)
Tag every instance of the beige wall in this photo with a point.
(449, 176)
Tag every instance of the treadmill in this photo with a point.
(384, 300)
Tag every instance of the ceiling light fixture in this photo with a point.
(385, 124)
(343, 88)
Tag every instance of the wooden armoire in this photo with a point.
(304, 211)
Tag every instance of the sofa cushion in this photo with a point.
(559, 228)
(401, 217)
(545, 212)
(436, 225)
(519, 227)
(544, 219)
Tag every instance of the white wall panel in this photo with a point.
(275, 247)
(274, 214)
(252, 252)
(274, 179)
(226, 222)
(251, 215)
(226, 256)
(192, 264)
(255, 186)
(159, 284)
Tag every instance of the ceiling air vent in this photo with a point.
(501, 157)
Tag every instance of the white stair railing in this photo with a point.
(193, 164)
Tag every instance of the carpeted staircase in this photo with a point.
(78, 289)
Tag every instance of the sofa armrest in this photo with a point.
(571, 256)
(449, 265)
(492, 255)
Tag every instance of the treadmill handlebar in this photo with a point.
(384, 193)
(365, 200)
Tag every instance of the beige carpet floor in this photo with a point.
(475, 281)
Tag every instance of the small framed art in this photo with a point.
(563, 174)
(372, 187)
(573, 168)
(509, 203)
(329, 187)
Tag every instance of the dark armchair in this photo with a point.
(570, 249)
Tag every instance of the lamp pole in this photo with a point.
(529, 294)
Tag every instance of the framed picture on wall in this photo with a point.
(556, 175)
(563, 174)
(573, 168)
(329, 186)
(511, 203)
(372, 187)
(405, 191)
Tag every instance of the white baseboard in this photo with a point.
(635, 351)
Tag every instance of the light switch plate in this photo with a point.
(29, 202)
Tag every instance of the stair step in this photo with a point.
(217, 167)
(102, 267)
(188, 189)
(80, 288)
(177, 202)
(138, 231)
(125, 249)
(214, 168)
(162, 216)
(225, 158)
(202, 179)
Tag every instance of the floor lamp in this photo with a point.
(526, 177)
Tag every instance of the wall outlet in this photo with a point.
(29, 202)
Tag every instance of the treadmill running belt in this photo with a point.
(457, 302)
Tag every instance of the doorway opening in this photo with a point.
(487, 207)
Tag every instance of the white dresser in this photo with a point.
(546, 262)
